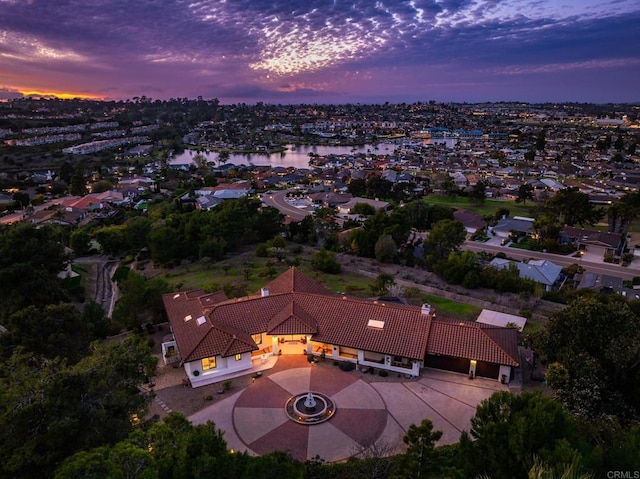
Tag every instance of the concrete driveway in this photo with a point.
(369, 410)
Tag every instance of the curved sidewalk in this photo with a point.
(367, 411)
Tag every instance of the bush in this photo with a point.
(325, 261)
(383, 373)
(347, 366)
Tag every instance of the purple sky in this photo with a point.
(323, 51)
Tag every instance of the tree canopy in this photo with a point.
(573, 207)
(509, 431)
(445, 237)
(30, 260)
(595, 345)
(49, 410)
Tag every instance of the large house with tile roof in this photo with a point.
(215, 336)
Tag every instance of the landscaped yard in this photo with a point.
(489, 207)
(452, 309)
(249, 273)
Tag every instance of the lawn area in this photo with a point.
(488, 208)
(451, 309)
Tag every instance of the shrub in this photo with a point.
(325, 261)
(346, 366)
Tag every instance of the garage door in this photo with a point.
(487, 370)
(458, 365)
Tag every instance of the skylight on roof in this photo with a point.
(187, 318)
(176, 296)
(374, 323)
(201, 320)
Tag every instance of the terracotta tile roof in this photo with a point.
(293, 319)
(250, 314)
(222, 340)
(209, 300)
(297, 305)
(471, 340)
(183, 311)
(346, 322)
(293, 280)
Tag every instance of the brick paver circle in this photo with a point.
(262, 425)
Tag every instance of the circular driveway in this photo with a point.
(261, 424)
(368, 410)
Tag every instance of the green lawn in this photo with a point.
(489, 207)
(452, 309)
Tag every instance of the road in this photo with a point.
(593, 267)
(276, 199)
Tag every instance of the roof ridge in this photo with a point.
(355, 299)
(234, 338)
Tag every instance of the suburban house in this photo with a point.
(347, 208)
(214, 336)
(496, 318)
(541, 271)
(472, 221)
(517, 225)
(598, 242)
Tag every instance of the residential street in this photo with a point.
(589, 263)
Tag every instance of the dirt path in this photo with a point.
(98, 280)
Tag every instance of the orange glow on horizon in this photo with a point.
(62, 95)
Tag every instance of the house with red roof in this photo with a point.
(214, 336)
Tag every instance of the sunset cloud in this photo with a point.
(246, 50)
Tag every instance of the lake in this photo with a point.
(295, 156)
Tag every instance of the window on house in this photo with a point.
(208, 363)
(257, 338)
(238, 357)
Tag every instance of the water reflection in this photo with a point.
(296, 156)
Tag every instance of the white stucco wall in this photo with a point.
(223, 366)
(506, 371)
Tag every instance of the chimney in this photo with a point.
(264, 292)
(426, 308)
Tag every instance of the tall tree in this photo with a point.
(419, 460)
(58, 330)
(573, 207)
(78, 185)
(445, 237)
(477, 195)
(510, 431)
(30, 260)
(621, 214)
(49, 410)
(525, 192)
(596, 345)
(385, 249)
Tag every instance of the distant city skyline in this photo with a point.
(322, 51)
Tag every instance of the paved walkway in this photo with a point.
(367, 411)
